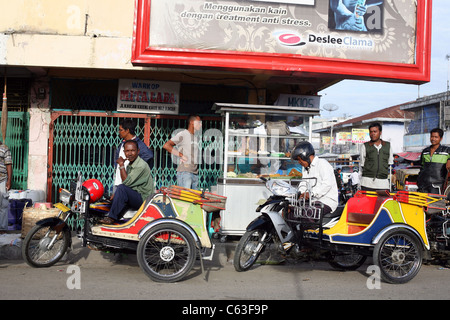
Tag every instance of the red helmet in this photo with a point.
(95, 189)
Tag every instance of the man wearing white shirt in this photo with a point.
(324, 190)
(354, 178)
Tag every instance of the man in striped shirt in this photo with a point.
(5, 184)
(435, 161)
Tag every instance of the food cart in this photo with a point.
(258, 140)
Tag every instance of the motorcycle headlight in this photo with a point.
(281, 188)
(64, 195)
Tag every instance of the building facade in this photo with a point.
(349, 135)
(66, 63)
(429, 112)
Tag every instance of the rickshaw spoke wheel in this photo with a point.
(399, 255)
(166, 252)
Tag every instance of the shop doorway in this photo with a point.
(84, 131)
(86, 141)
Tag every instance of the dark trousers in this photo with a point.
(124, 198)
(435, 188)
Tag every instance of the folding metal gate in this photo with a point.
(17, 142)
(86, 141)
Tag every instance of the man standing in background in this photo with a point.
(184, 145)
(435, 162)
(5, 184)
(376, 157)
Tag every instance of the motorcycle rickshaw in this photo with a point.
(165, 233)
(406, 179)
(397, 230)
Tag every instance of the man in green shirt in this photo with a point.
(137, 184)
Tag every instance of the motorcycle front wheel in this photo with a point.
(166, 253)
(248, 249)
(43, 247)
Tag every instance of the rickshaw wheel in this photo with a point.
(399, 256)
(166, 253)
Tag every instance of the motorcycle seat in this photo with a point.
(335, 213)
(332, 216)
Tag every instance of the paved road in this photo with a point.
(105, 276)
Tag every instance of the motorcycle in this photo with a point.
(346, 193)
(164, 233)
(398, 230)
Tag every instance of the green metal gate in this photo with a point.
(164, 171)
(17, 142)
(85, 142)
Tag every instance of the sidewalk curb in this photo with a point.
(11, 249)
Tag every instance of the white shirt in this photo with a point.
(325, 189)
(355, 178)
(118, 178)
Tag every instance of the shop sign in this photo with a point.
(360, 135)
(142, 96)
(377, 38)
(291, 100)
(343, 137)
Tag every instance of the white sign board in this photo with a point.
(292, 100)
(143, 96)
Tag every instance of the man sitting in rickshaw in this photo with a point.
(137, 184)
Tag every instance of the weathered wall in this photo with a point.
(69, 33)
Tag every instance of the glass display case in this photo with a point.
(258, 140)
(260, 144)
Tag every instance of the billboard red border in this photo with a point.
(294, 65)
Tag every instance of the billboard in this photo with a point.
(343, 137)
(360, 135)
(388, 39)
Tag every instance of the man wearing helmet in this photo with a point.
(137, 183)
(324, 190)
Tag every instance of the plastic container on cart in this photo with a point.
(34, 195)
(14, 194)
(15, 212)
